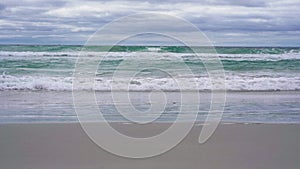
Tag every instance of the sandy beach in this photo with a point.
(233, 146)
(186, 84)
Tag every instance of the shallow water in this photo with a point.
(241, 107)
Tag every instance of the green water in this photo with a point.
(175, 49)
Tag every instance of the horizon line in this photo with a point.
(144, 45)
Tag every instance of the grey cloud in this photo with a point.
(2, 7)
(53, 20)
(246, 3)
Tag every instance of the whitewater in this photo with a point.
(246, 69)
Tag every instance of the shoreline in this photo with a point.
(240, 107)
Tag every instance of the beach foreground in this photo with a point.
(233, 146)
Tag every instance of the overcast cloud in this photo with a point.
(225, 22)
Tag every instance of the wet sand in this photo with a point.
(233, 146)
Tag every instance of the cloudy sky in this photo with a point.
(225, 22)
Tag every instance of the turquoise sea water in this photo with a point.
(263, 82)
(246, 69)
(175, 49)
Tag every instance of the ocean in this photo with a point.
(262, 83)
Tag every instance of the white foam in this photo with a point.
(148, 55)
(234, 83)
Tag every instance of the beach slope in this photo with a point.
(233, 146)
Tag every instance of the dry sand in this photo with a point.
(233, 146)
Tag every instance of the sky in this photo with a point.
(224, 22)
